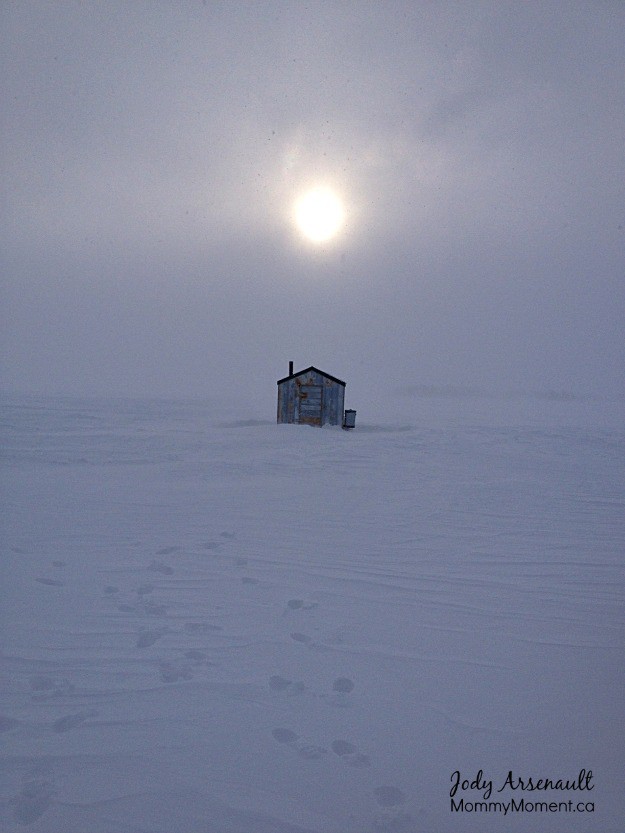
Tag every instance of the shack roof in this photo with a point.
(307, 370)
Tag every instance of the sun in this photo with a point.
(319, 214)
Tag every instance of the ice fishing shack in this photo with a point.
(312, 397)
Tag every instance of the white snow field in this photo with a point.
(215, 624)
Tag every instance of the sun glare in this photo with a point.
(319, 214)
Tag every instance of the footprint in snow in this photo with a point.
(278, 683)
(196, 656)
(389, 796)
(300, 604)
(311, 752)
(393, 822)
(7, 723)
(144, 589)
(167, 550)
(153, 609)
(159, 567)
(307, 640)
(71, 721)
(343, 684)
(32, 802)
(288, 737)
(349, 754)
(171, 673)
(45, 687)
(41, 683)
(201, 627)
(228, 535)
(303, 638)
(148, 638)
(342, 687)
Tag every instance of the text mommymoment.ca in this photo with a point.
(462, 800)
(485, 786)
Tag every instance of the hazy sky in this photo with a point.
(152, 153)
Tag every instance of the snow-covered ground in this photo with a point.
(213, 623)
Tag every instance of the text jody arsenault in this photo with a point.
(581, 783)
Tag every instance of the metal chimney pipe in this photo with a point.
(290, 368)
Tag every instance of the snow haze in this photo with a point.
(152, 153)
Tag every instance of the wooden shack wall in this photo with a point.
(289, 398)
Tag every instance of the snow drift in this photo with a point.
(220, 624)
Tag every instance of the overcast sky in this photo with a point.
(152, 153)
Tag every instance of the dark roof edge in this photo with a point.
(307, 370)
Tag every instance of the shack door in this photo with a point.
(310, 404)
